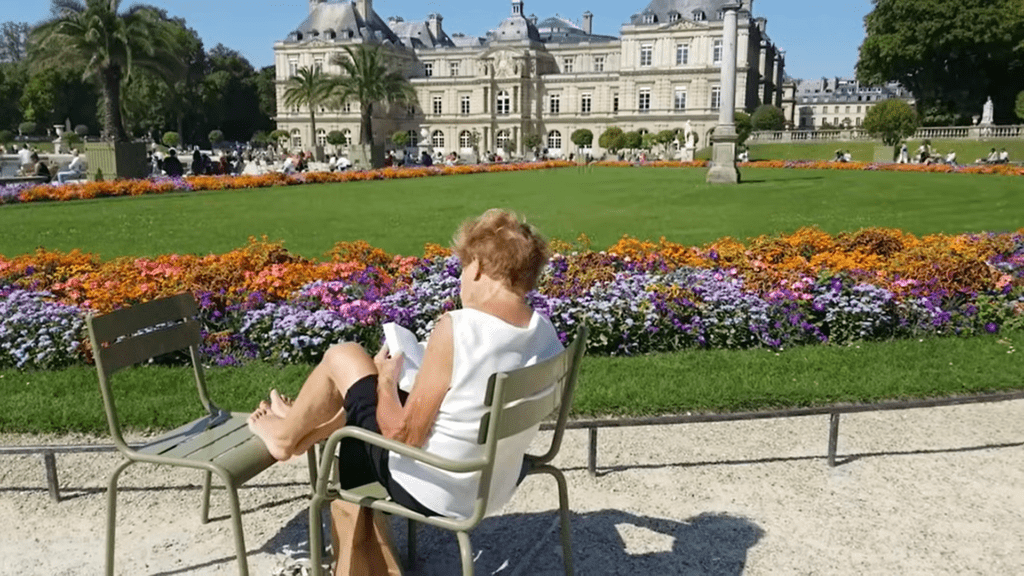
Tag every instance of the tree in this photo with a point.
(13, 41)
(28, 128)
(6, 136)
(582, 138)
(216, 136)
(400, 138)
(768, 117)
(337, 138)
(951, 54)
(632, 140)
(743, 127)
(1019, 107)
(171, 139)
(531, 141)
(612, 139)
(107, 44)
(309, 87)
(13, 77)
(368, 78)
(892, 121)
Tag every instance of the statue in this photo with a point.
(987, 112)
(689, 135)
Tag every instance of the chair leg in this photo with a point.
(316, 535)
(466, 552)
(411, 544)
(204, 513)
(563, 513)
(112, 513)
(236, 519)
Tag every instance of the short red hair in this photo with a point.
(507, 248)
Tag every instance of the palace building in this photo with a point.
(547, 77)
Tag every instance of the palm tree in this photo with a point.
(367, 79)
(309, 87)
(106, 43)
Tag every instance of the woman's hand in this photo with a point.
(388, 368)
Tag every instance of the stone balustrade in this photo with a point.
(855, 134)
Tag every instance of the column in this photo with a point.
(723, 169)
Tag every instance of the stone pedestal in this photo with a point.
(723, 158)
(687, 154)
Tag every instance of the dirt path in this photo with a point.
(928, 491)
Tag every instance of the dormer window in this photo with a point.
(699, 16)
(673, 16)
(649, 18)
(721, 15)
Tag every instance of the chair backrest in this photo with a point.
(134, 335)
(523, 398)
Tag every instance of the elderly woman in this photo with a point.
(496, 330)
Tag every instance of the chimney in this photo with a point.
(364, 8)
(434, 25)
(313, 4)
(588, 22)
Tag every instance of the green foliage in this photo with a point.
(891, 121)
(171, 139)
(310, 87)
(13, 41)
(13, 77)
(6, 136)
(647, 141)
(632, 140)
(743, 128)
(70, 138)
(1019, 105)
(99, 175)
(400, 138)
(370, 77)
(28, 128)
(612, 139)
(665, 137)
(532, 140)
(108, 44)
(82, 130)
(278, 135)
(260, 139)
(582, 138)
(951, 54)
(768, 117)
(337, 137)
(216, 136)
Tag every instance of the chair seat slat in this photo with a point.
(201, 444)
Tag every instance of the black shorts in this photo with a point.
(361, 463)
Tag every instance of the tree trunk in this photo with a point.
(113, 124)
(366, 129)
(312, 127)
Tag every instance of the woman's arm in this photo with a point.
(413, 422)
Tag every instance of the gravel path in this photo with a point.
(926, 491)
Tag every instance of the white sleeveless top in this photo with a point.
(483, 345)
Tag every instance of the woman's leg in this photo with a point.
(319, 409)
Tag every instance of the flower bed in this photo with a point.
(21, 193)
(261, 302)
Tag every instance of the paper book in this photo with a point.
(401, 340)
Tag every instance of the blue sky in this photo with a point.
(820, 38)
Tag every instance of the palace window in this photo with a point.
(646, 51)
(554, 140)
(679, 99)
(555, 103)
(585, 103)
(464, 105)
(437, 139)
(567, 65)
(347, 135)
(502, 102)
(716, 97)
(615, 102)
(502, 139)
(716, 52)
(699, 16)
(465, 139)
(598, 63)
(414, 138)
(453, 68)
(293, 67)
(318, 63)
(644, 100)
(296, 138)
(428, 69)
(437, 104)
(321, 137)
(682, 54)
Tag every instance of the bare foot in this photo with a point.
(280, 405)
(267, 426)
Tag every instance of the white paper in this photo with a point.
(401, 340)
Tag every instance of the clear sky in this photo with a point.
(820, 38)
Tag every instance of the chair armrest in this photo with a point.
(446, 464)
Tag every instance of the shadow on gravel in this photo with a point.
(604, 542)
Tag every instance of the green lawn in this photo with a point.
(401, 215)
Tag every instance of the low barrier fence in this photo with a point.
(859, 134)
(834, 411)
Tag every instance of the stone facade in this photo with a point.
(840, 102)
(548, 78)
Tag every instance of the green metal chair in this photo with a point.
(218, 443)
(516, 404)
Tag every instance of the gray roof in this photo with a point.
(661, 9)
(515, 27)
(340, 21)
(560, 30)
(417, 34)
